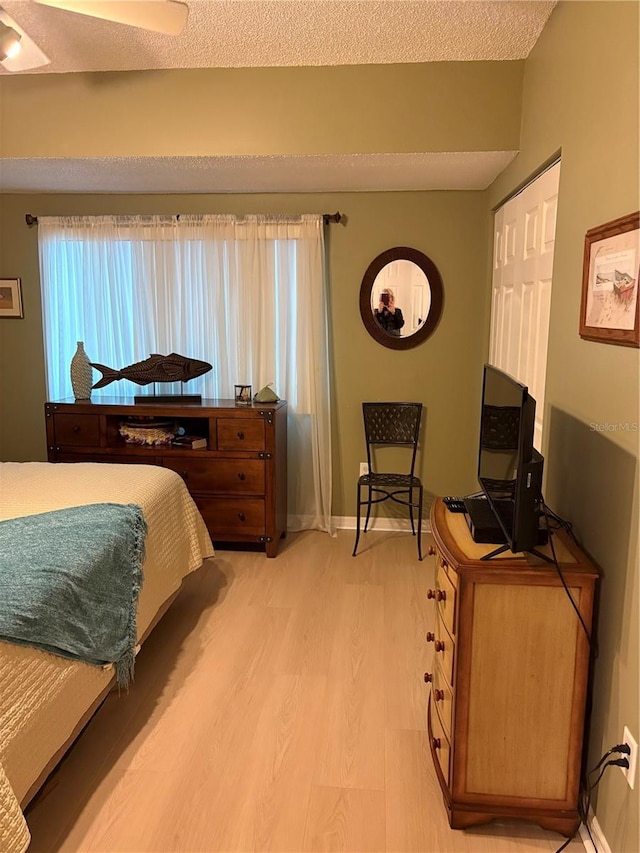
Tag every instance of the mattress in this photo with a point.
(43, 698)
(14, 834)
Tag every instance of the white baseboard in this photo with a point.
(602, 845)
(348, 522)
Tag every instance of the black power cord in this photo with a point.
(584, 801)
(564, 525)
(560, 522)
(617, 762)
(621, 748)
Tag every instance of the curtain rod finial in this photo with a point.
(30, 220)
(332, 217)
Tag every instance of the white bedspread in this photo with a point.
(43, 697)
(14, 834)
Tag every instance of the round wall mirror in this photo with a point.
(401, 298)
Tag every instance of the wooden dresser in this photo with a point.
(239, 481)
(508, 675)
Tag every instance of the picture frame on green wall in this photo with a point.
(11, 298)
(610, 307)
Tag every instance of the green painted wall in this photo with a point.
(442, 106)
(581, 95)
(443, 373)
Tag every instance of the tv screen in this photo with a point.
(509, 467)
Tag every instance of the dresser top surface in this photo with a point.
(452, 535)
(194, 408)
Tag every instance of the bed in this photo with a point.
(45, 699)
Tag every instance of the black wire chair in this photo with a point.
(393, 424)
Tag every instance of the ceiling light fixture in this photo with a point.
(9, 42)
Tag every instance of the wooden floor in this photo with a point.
(279, 705)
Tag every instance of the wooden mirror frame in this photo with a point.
(402, 253)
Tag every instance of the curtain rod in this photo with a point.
(326, 217)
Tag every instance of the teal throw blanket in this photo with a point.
(70, 580)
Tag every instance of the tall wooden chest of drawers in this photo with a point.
(509, 676)
(239, 481)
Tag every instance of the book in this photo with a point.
(193, 442)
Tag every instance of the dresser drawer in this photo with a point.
(442, 697)
(76, 430)
(445, 598)
(450, 572)
(240, 433)
(444, 647)
(440, 743)
(224, 476)
(235, 516)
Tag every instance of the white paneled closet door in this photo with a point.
(524, 240)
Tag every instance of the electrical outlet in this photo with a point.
(364, 468)
(632, 758)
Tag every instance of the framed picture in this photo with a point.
(10, 298)
(610, 307)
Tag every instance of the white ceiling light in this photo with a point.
(9, 42)
(27, 55)
(18, 52)
(162, 16)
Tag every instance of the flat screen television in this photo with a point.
(509, 467)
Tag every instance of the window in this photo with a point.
(246, 295)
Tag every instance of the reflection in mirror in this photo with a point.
(400, 298)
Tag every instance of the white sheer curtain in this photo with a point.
(246, 294)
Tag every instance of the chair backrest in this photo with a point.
(500, 428)
(392, 424)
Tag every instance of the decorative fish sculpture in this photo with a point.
(156, 368)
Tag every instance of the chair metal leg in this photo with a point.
(366, 524)
(413, 529)
(355, 547)
(420, 525)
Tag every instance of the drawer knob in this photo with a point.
(428, 678)
(431, 551)
(75, 428)
(241, 516)
(439, 645)
(184, 475)
(435, 741)
(430, 636)
(241, 475)
(431, 593)
(441, 595)
(438, 695)
(240, 435)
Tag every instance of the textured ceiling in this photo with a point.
(257, 33)
(319, 173)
